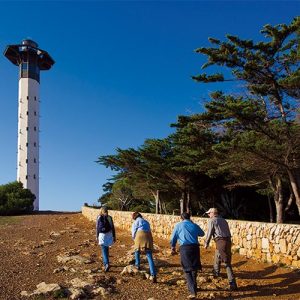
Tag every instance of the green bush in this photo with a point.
(14, 199)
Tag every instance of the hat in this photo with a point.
(212, 210)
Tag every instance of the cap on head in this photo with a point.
(212, 210)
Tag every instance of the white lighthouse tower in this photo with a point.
(30, 60)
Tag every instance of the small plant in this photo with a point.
(62, 293)
(282, 265)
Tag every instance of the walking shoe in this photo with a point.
(153, 278)
(106, 268)
(192, 296)
(232, 286)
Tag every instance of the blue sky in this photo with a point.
(122, 74)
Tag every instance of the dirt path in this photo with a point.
(29, 246)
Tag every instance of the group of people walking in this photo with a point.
(140, 232)
(186, 233)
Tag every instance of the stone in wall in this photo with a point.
(298, 252)
(265, 244)
(282, 244)
(275, 258)
(257, 254)
(296, 264)
(276, 248)
(243, 251)
(253, 242)
(259, 245)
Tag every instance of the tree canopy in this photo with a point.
(245, 141)
(14, 199)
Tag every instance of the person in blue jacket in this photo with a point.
(187, 233)
(143, 242)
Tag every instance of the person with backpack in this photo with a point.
(143, 242)
(105, 235)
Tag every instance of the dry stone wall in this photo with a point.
(275, 243)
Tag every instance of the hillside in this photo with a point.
(60, 248)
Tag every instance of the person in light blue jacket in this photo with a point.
(143, 242)
(187, 233)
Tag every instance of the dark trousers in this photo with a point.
(191, 278)
(223, 254)
(190, 261)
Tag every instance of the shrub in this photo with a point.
(14, 199)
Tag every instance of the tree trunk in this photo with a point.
(157, 201)
(270, 210)
(181, 205)
(279, 201)
(183, 202)
(188, 202)
(278, 198)
(160, 206)
(290, 202)
(294, 181)
(164, 209)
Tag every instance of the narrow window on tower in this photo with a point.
(27, 128)
(35, 98)
(27, 97)
(34, 128)
(34, 176)
(26, 144)
(35, 113)
(34, 144)
(27, 113)
(34, 160)
(26, 176)
(26, 161)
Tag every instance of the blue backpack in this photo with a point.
(103, 225)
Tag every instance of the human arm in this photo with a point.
(134, 229)
(210, 232)
(110, 219)
(173, 241)
(200, 232)
(97, 230)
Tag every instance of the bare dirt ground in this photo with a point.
(29, 246)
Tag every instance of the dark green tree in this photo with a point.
(14, 199)
(261, 122)
(144, 168)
